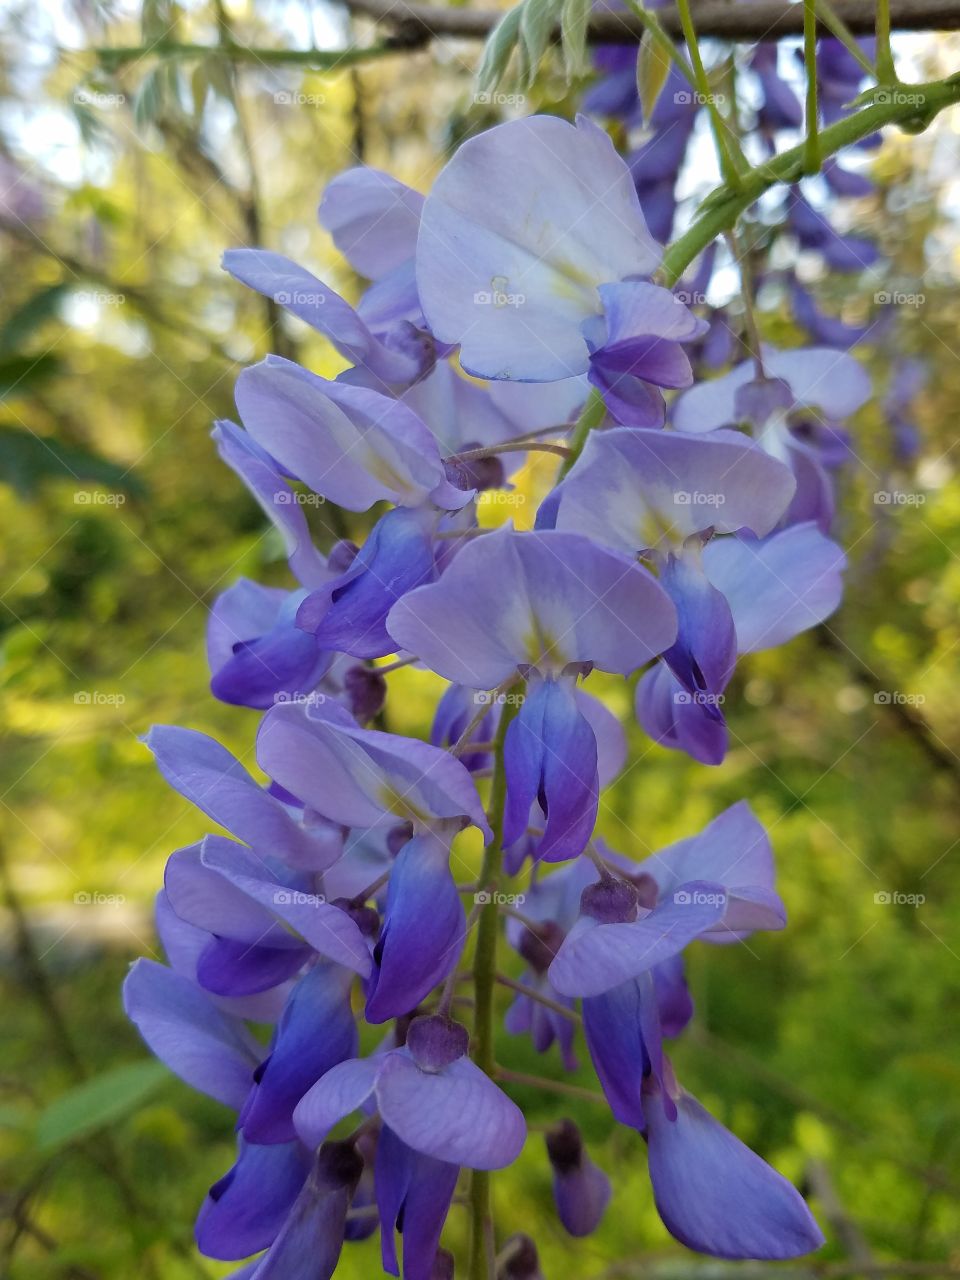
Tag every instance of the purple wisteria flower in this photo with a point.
(534, 256)
(549, 606)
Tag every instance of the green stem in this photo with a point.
(722, 208)
(653, 25)
(591, 415)
(886, 71)
(113, 56)
(484, 984)
(840, 31)
(811, 162)
(728, 167)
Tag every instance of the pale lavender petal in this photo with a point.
(344, 1089)
(633, 488)
(457, 1114)
(779, 586)
(717, 1196)
(596, 957)
(188, 1033)
(539, 212)
(373, 218)
(216, 782)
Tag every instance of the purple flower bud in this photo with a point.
(398, 836)
(519, 1260)
(342, 555)
(435, 1042)
(581, 1190)
(366, 691)
(442, 1268)
(475, 473)
(539, 946)
(610, 901)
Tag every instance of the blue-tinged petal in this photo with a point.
(705, 651)
(413, 1195)
(545, 599)
(205, 1047)
(319, 306)
(634, 489)
(456, 1114)
(245, 1210)
(352, 445)
(612, 1026)
(778, 586)
(232, 969)
(316, 1032)
(675, 718)
(309, 1242)
(717, 1196)
(373, 218)
(519, 229)
(242, 612)
(424, 930)
(733, 850)
(262, 477)
(327, 929)
(818, 377)
(608, 732)
(344, 1089)
(217, 783)
(674, 1002)
(200, 896)
(362, 777)
(597, 957)
(349, 613)
(550, 744)
(278, 662)
(581, 1191)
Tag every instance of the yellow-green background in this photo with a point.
(832, 1047)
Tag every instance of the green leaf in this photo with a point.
(98, 1102)
(32, 315)
(574, 19)
(537, 20)
(28, 459)
(500, 44)
(653, 69)
(20, 374)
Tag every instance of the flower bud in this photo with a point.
(581, 1191)
(436, 1041)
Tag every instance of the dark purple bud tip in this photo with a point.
(398, 836)
(436, 1041)
(475, 473)
(442, 1268)
(519, 1260)
(539, 946)
(339, 1164)
(367, 919)
(342, 555)
(758, 401)
(564, 1146)
(610, 901)
(366, 691)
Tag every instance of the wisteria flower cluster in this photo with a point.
(341, 910)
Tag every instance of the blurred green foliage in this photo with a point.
(832, 1048)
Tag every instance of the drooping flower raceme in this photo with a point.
(318, 937)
